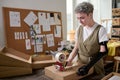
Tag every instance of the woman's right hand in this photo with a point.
(68, 63)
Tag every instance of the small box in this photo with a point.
(116, 12)
(116, 21)
(110, 75)
(69, 74)
(12, 58)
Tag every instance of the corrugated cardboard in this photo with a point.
(42, 64)
(14, 71)
(42, 58)
(16, 53)
(115, 11)
(116, 21)
(69, 74)
(13, 58)
(5, 68)
(110, 75)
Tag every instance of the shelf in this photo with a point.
(116, 26)
(115, 19)
(116, 36)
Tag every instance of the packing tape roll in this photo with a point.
(60, 57)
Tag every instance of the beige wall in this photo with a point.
(48, 5)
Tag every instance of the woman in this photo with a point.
(90, 41)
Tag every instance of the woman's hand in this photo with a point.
(68, 63)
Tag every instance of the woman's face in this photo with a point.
(84, 18)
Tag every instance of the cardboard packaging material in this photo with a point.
(42, 64)
(42, 58)
(16, 53)
(6, 68)
(13, 58)
(116, 12)
(110, 75)
(14, 71)
(116, 21)
(68, 74)
(42, 61)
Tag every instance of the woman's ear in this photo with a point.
(91, 14)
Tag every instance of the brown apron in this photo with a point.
(89, 48)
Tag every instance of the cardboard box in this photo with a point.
(13, 71)
(42, 64)
(10, 57)
(116, 12)
(41, 58)
(16, 53)
(41, 61)
(69, 74)
(110, 75)
(5, 68)
(116, 21)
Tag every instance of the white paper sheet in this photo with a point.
(50, 40)
(50, 17)
(42, 18)
(57, 18)
(57, 31)
(30, 18)
(23, 35)
(38, 48)
(38, 39)
(16, 35)
(26, 35)
(14, 19)
(37, 28)
(27, 44)
(20, 35)
(46, 26)
(44, 21)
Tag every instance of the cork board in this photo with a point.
(22, 35)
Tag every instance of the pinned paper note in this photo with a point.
(42, 18)
(26, 35)
(37, 28)
(50, 40)
(44, 21)
(57, 31)
(27, 43)
(30, 18)
(38, 48)
(50, 17)
(23, 35)
(14, 19)
(38, 39)
(16, 35)
(20, 34)
(57, 18)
